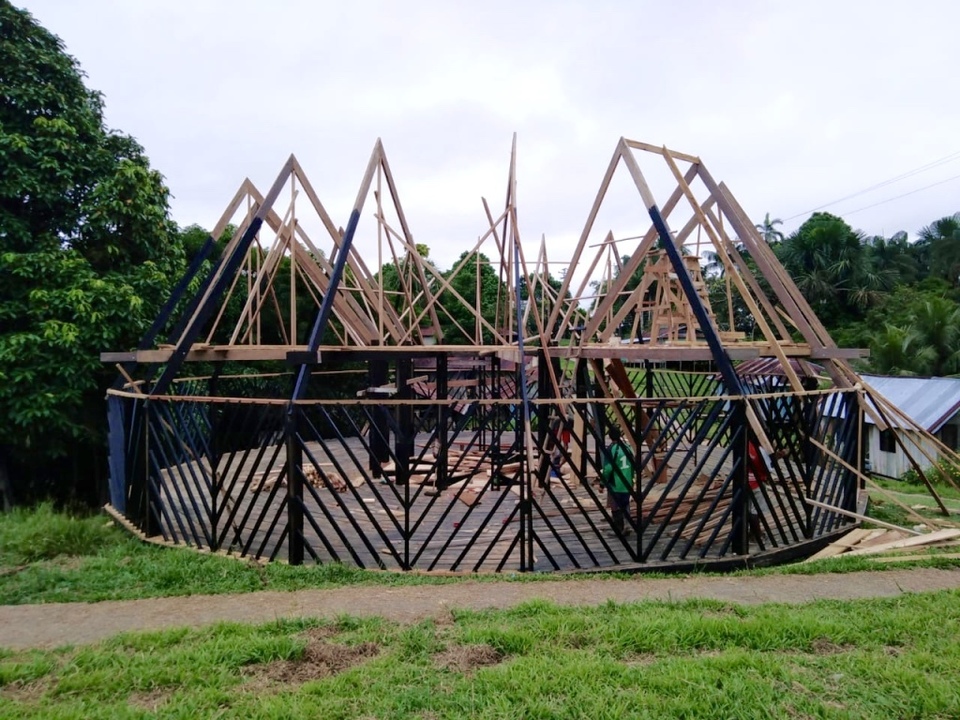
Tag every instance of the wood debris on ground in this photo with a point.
(864, 541)
(311, 476)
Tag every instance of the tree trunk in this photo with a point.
(6, 491)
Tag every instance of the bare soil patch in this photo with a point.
(320, 659)
(468, 658)
(25, 692)
(149, 700)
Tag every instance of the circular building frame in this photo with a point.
(405, 424)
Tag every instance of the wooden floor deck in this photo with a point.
(473, 525)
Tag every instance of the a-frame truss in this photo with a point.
(291, 285)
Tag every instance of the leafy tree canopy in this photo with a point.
(87, 248)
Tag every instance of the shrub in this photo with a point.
(41, 533)
(939, 474)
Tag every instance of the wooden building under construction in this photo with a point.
(385, 431)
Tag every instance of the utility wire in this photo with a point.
(910, 173)
(897, 197)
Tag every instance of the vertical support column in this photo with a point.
(851, 448)
(582, 382)
(214, 480)
(493, 382)
(294, 487)
(405, 429)
(140, 491)
(443, 420)
(378, 371)
(809, 422)
(215, 423)
(545, 440)
(741, 486)
(405, 447)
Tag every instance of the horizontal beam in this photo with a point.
(299, 353)
(827, 353)
(637, 145)
(655, 353)
(631, 352)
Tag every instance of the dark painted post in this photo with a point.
(493, 411)
(545, 439)
(808, 423)
(583, 385)
(378, 372)
(405, 446)
(294, 487)
(405, 430)
(140, 490)
(443, 419)
(741, 486)
(215, 423)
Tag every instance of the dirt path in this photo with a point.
(24, 626)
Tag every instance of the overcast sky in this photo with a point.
(793, 104)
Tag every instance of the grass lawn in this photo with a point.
(890, 658)
(47, 556)
(949, 494)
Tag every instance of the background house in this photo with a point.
(933, 403)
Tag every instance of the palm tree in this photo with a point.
(894, 255)
(899, 351)
(937, 323)
(768, 230)
(942, 239)
(828, 261)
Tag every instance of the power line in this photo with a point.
(903, 176)
(897, 197)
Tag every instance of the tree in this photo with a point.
(87, 257)
(942, 240)
(937, 322)
(827, 260)
(453, 312)
(894, 256)
(898, 351)
(921, 331)
(768, 230)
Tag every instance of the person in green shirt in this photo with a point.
(618, 477)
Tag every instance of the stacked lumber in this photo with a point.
(311, 476)
(861, 541)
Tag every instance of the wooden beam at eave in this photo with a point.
(638, 353)
(659, 150)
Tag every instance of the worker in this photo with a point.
(759, 471)
(618, 478)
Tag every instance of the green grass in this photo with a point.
(945, 491)
(889, 658)
(47, 556)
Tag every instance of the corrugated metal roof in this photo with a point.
(931, 402)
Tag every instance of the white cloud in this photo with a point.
(792, 104)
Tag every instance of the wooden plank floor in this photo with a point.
(471, 527)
